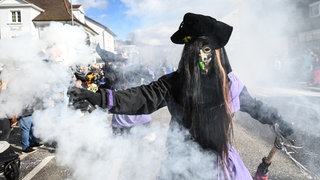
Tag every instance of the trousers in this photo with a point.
(26, 128)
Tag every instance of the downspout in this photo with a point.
(71, 13)
(104, 47)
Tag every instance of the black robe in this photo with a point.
(167, 91)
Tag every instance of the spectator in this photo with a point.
(316, 71)
(5, 129)
(5, 122)
(307, 66)
(28, 140)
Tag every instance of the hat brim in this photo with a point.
(221, 37)
(178, 36)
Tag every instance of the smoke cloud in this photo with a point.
(85, 142)
(39, 68)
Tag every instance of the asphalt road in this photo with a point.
(254, 141)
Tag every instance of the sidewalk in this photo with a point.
(284, 89)
(309, 87)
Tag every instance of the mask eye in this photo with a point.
(206, 49)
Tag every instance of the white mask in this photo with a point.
(205, 57)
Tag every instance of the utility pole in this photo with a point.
(71, 13)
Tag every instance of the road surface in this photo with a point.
(253, 141)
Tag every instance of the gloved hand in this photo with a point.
(285, 129)
(84, 99)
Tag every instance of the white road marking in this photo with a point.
(35, 170)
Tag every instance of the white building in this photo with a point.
(105, 37)
(20, 17)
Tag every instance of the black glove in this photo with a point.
(84, 106)
(85, 100)
(285, 129)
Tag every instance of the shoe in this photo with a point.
(36, 145)
(28, 150)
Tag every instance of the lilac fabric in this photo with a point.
(110, 99)
(236, 87)
(121, 120)
(237, 167)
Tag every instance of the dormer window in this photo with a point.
(16, 16)
(314, 9)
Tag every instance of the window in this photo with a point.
(16, 16)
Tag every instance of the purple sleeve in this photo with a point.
(236, 87)
(110, 99)
(121, 120)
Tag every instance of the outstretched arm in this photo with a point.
(143, 99)
(263, 113)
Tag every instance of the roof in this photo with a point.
(56, 10)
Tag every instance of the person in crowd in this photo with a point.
(316, 70)
(307, 65)
(164, 67)
(201, 95)
(101, 80)
(28, 140)
(5, 122)
(5, 128)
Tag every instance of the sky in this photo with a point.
(157, 18)
(113, 15)
(85, 141)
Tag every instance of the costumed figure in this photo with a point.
(201, 95)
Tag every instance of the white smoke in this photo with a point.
(39, 69)
(85, 143)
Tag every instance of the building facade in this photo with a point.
(308, 29)
(16, 18)
(29, 17)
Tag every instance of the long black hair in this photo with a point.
(206, 110)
